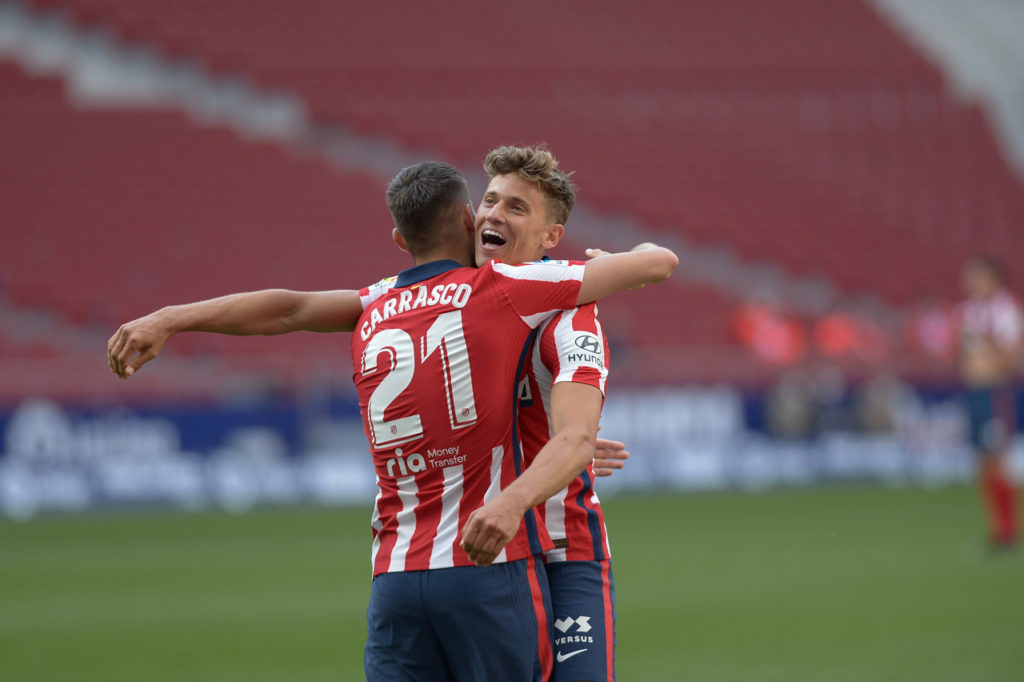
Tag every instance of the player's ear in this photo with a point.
(554, 235)
(469, 218)
(397, 236)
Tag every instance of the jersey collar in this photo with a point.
(424, 271)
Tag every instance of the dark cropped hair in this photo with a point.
(425, 199)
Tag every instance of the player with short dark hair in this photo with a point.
(990, 348)
(423, 199)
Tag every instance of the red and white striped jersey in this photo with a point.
(570, 347)
(996, 320)
(436, 357)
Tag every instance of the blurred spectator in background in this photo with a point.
(771, 335)
(846, 335)
(809, 401)
(989, 351)
(790, 408)
(831, 400)
(881, 403)
(930, 331)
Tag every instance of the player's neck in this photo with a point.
(443, 254)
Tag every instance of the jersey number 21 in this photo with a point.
(444, 336)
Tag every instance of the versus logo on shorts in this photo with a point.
(578, 636)
(582, 624)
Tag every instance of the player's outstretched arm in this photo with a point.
(272, 311)
(575, 413)
(610, 273)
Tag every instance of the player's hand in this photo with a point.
(488, 529)
(136, 343)
(609, 456)
(598, 253)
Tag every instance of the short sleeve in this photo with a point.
(368, 295)
(574, 349)
(538, 290)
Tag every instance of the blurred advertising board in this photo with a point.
(57, 458)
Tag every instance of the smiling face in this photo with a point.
(513, 222)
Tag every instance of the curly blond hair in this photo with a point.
(539, 166)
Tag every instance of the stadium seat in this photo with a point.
(799, 134)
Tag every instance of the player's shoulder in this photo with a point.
(581, 318)
(371, 293)
(578, 327)
(543, 270)
(587, 310)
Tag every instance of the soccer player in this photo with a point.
(990, 348)
(439, 428)
(522, 214)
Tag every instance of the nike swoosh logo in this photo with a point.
(565, 657)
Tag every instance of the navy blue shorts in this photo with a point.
(992, 415)
(583, 605)
(463, 623)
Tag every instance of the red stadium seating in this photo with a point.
(115, 212)
(798, 133)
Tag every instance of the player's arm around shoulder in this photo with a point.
(582, 356)
(268, 312)
(575, 421)
(608, 273)
(575, 412)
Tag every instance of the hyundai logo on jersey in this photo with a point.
(588, 343)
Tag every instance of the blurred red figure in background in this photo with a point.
(990, 345)
(769, 333)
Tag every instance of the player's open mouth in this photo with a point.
(492, 240)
